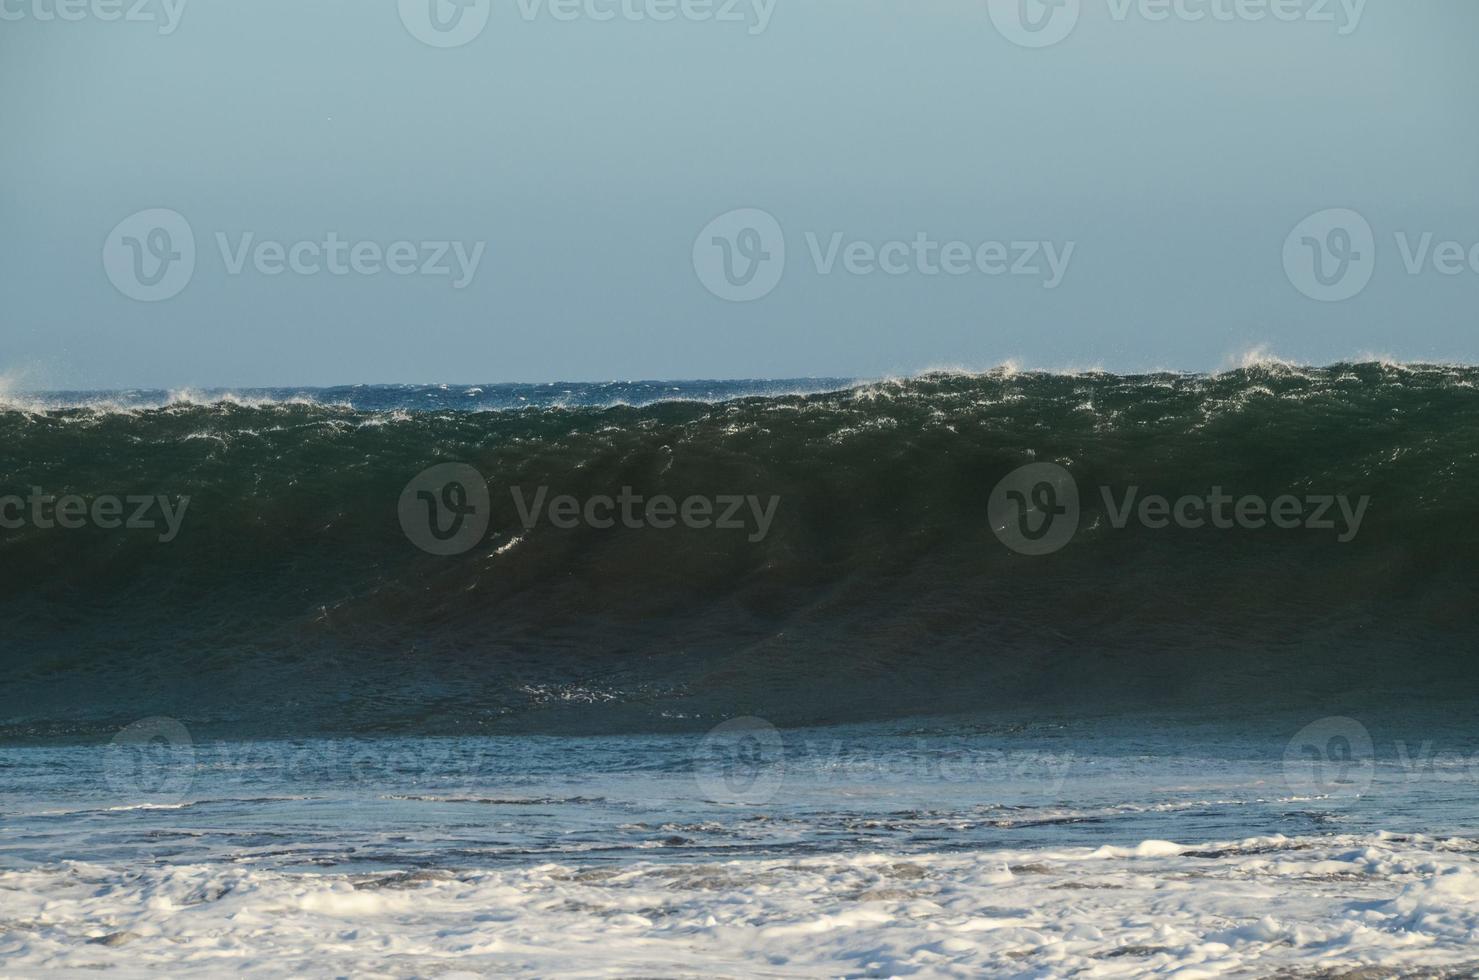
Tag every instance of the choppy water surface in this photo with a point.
(347, 806)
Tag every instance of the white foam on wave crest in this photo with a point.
(1261, 358)
(136, 402)
(196, 398)
(1263, 906)
(1258, 358)
(12, 398)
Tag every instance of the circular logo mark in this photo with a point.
(150, 256)
(1331, 255)
(1034, 510)
(1332, 757)
(151, 760)
(445, 23)
(444, 510)
(740, 256)
(1034, 23)
(741, 761)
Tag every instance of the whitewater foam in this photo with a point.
(1261, 905)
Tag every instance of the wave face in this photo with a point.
(292, 601)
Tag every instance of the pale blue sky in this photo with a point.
(588, 155)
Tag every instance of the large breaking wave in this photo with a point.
(292, 601)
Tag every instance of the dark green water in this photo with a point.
(292, 602)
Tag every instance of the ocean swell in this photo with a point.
(292, 601)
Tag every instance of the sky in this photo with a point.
(199, 193)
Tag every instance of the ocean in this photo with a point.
(1007, 674)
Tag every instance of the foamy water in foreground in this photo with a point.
(1079, 848)
(1260, 905)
